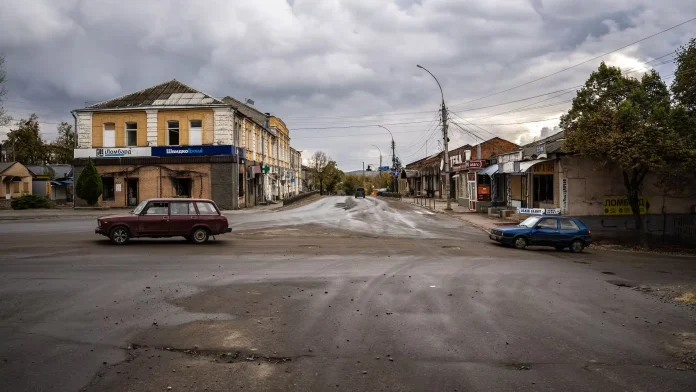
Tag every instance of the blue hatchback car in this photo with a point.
(559, 232)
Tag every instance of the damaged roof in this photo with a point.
(171, 93)
(246, 111)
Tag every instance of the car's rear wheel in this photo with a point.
(577, 246)
(199, 236)
(520, 243)
(559, 248)
(119, 235)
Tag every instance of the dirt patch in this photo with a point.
(688, 297)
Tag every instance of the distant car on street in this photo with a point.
(194, 219)
(559, 232)
(360, 192)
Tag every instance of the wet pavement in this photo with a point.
(340, 294)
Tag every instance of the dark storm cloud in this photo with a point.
(321, 63)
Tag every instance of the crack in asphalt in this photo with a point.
(226, 356)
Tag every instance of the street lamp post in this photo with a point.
(393, 147)
(380, 154)
(444, 135)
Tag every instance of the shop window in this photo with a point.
(182, 187)
(543, 188)
(109, 135)
(183, 209)
(108, 190)
(195, 132)
(172, 133)
(131, 134)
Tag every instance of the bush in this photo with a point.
(30, 201)
(89, 185)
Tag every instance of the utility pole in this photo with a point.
(364, 175)
(235, 172)
(445, 140)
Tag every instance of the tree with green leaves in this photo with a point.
(89, 185)
(683, 166)
(625, 123)
(332, 176)
(4, 117)
(25, 144)
(63, 148)
(351, 182)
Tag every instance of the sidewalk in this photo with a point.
(86, 213)
(480, 220)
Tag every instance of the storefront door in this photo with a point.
(472, 195)
(132, 190)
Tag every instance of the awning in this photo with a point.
(410, 174)
(489, 171)
(526, 165)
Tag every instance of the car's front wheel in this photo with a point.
(520, 243)
(119, 235)
(577, 246)
(199, 236)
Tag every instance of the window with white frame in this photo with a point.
(109, 135)
(172, 133)
(131, 134)
(195, 133)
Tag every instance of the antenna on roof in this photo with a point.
(249, 101)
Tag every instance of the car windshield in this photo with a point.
(137, 210)
(530, 222)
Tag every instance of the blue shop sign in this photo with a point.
(189, 151)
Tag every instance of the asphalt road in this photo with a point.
(340, 294)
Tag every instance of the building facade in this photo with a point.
(15, 180)
(164, 141)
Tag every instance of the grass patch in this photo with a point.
(688, 297)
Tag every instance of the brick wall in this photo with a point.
(492, 147)
(222, 184)
(154, 181)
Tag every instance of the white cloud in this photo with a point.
(310, 59)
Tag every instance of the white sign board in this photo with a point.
(531, 211)
(553, 211)
(113, 152)
(118, 187)
(564, 195)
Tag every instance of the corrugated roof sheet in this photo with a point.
(171, 93)
(247, 111)
(5, 165)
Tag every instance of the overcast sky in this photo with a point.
(336, 63)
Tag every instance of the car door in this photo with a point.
(154, 220)
(545, 232)
(182, 217)
(568, 231)
(209, 216)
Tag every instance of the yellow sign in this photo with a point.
(543, 167)
(48, 189)
(618, 205)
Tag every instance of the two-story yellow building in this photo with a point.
(164, 141)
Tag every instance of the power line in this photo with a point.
(358, 126)
(576, 65)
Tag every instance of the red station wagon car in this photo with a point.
(194, 219)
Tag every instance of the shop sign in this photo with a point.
(458, 167)
(471, 176)
(188, 151)
(484, 190)
(531, 211)
(109, 152)
(475, 164)
(553, 211)
(564, 195)
(618, 205)
(540, 148)
(543, 168)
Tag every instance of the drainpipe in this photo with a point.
(74, 179)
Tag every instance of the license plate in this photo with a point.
(495, 237)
